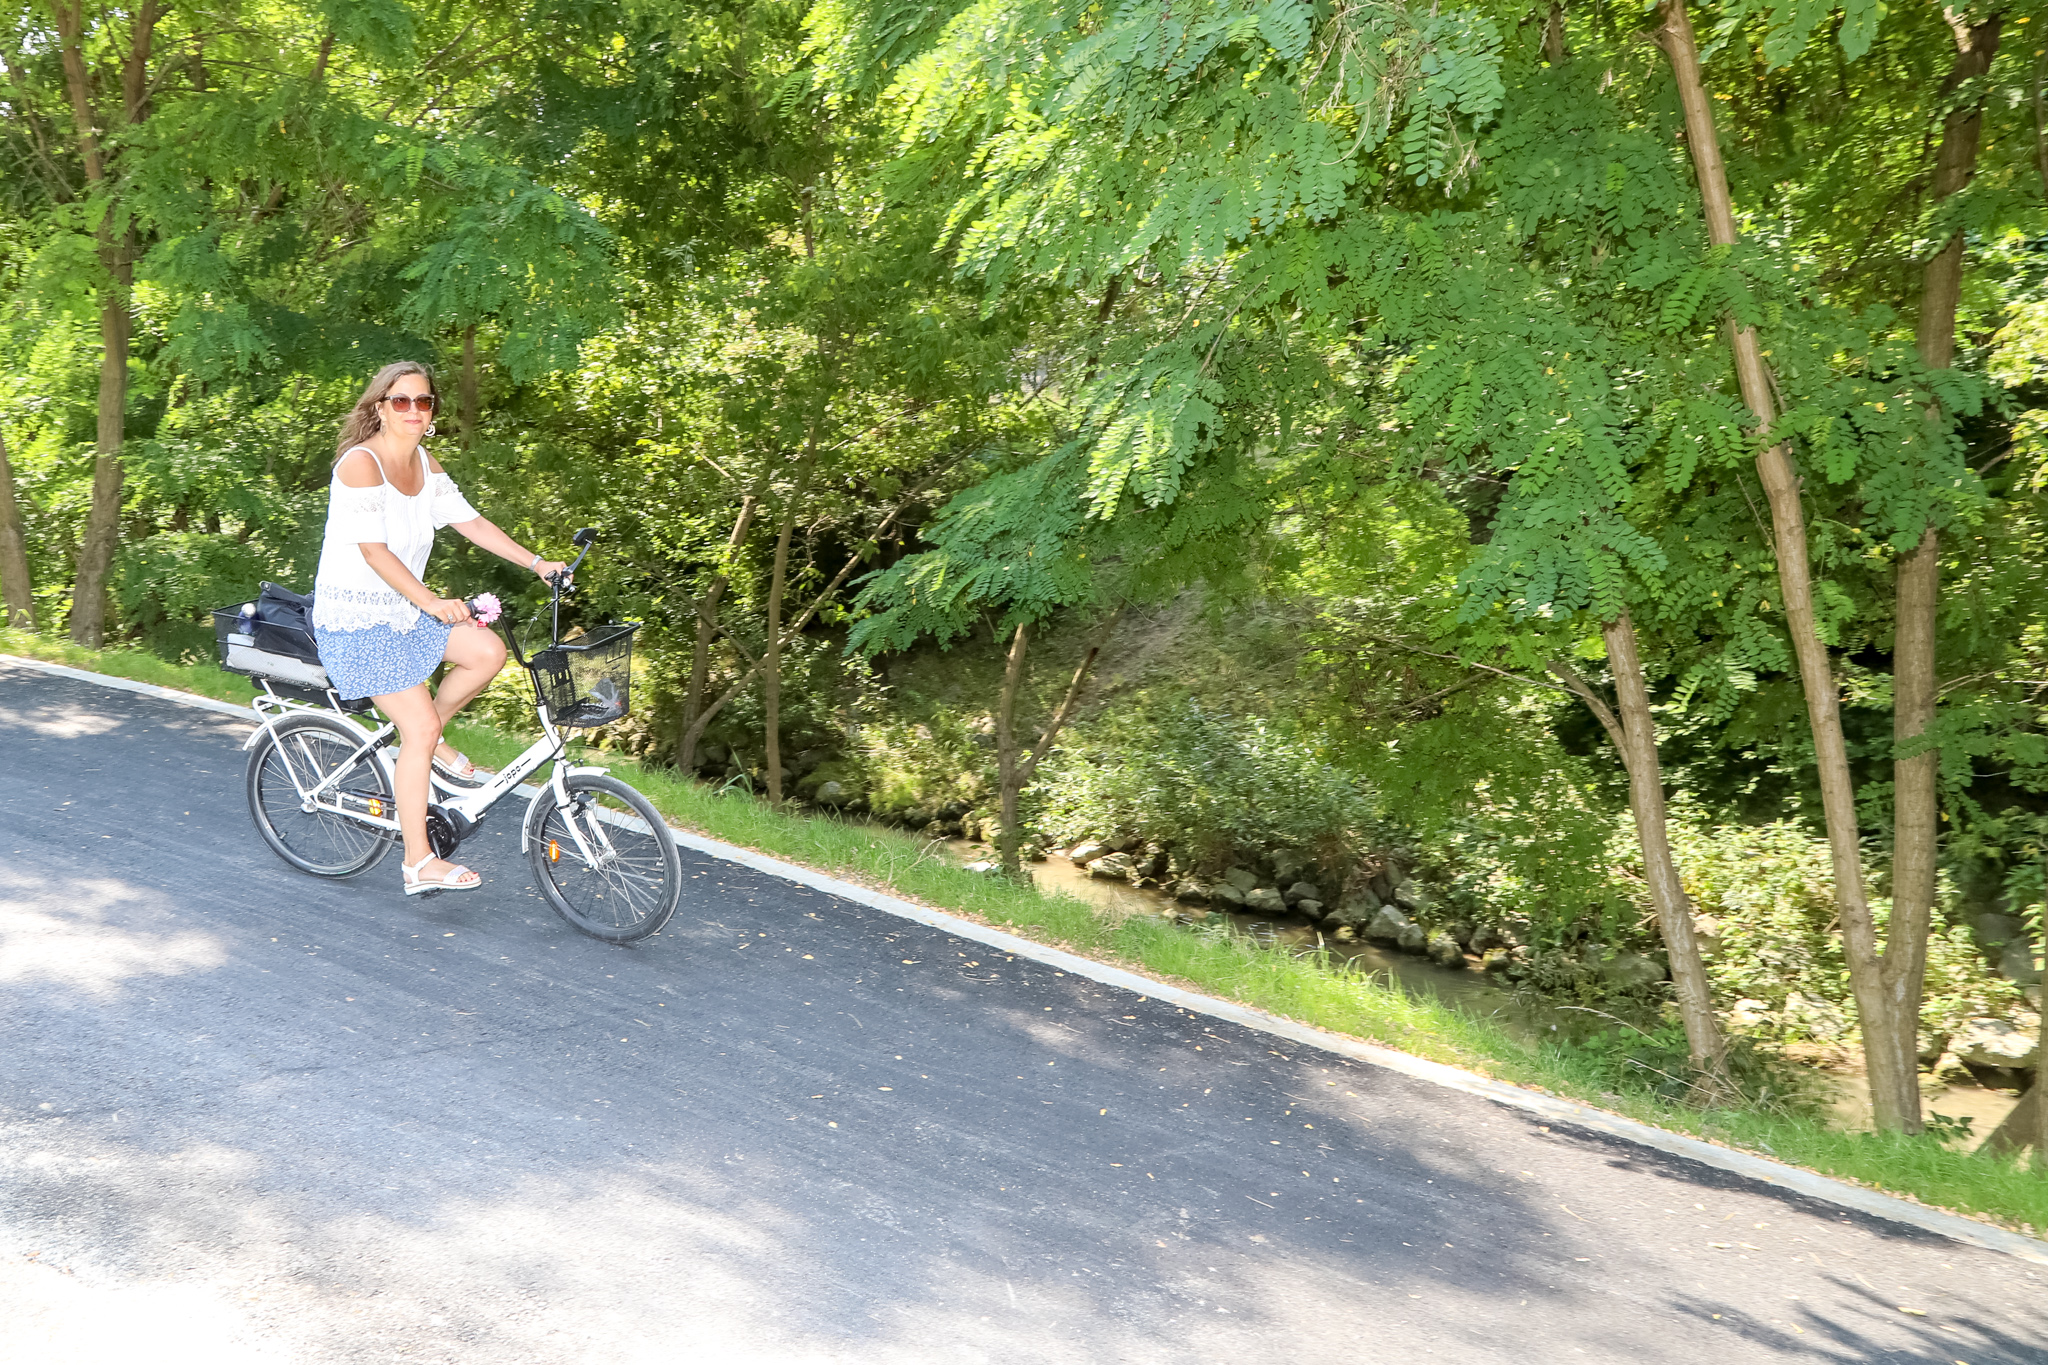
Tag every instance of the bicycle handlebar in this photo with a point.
(584, 539)
(560, 581)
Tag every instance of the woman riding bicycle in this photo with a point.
(381, 631)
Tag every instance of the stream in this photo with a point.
(1471, 991)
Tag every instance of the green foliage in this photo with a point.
(925, 763)
(1769, 892)
(1218, 787)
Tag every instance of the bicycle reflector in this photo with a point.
(554, 850)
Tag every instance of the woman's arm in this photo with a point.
(389, 567)
(485, 535)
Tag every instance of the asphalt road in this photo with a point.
(250, 1115)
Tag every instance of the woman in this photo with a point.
(381, 631)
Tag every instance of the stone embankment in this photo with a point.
(1381, 903)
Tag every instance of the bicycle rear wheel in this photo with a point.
(314, 748)
(620, 880)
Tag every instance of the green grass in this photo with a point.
(1233, 968)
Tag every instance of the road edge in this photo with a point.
(1814, 1185)
(226, 708)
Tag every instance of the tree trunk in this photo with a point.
(707, 631)
(1894, 1094)
(771, 660)
(1009, 777)
(1667, 891)
(2024, 1126)
(1916, 803)
(17, 589)
(117, 253)
(771, 653)
(466, 389)
(103, 522)
(1553, 36)
(1634, 735)
(1018, 772)
(2040, 126)
(695, 731)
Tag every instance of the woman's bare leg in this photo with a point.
(419, 730)
(474, 656)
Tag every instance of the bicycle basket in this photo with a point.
(586, 682)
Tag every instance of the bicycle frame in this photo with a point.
(466, 806)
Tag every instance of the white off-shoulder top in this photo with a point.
(347, 593)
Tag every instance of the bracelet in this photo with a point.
(536, 562)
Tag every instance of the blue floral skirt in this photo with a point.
(379, 660)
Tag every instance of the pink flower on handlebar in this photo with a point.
(485, 608)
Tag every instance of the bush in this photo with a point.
(167, 583)
(1769, 891)
(923, 764)
(1215, 785)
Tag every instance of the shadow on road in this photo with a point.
(791, 1128)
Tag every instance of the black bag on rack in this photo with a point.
(271, 638)
(283, 623)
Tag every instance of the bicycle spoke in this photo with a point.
(618, 880)
(324, 841)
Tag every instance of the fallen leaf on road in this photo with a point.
(1916, 1312)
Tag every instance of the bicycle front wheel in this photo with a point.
(605, 861)
(313, 749)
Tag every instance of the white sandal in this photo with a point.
(455, 772)
(416, 885)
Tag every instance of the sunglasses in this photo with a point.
(402, 402)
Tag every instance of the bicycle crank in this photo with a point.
(447, 828)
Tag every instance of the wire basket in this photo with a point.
(587, 682)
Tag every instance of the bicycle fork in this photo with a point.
(558, 790)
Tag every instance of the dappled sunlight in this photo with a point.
(61, 1315)
(65, 724)
(746, 1258)
(23, 710)
(75, 934)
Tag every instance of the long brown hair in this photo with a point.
(363, 419)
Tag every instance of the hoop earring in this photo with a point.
(428, 432)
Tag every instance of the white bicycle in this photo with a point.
(320, 784)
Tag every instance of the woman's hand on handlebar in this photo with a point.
(450, 611)
(548, 568)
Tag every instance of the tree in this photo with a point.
(356, 222)
(1886, 983)
(16, 587)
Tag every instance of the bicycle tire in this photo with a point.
(319, 842)
(633, 890)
